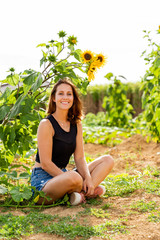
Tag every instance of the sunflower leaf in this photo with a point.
(77, 54)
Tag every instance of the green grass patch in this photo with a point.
(143, 206)
(68, 227)
(154, 217)
(121, 185)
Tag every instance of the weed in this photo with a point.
(99, 213)
(94, 201)
(152, 186)
(154, 217)
(143, 206)
(112, 227)
(106, 206)
(152, 171)
(121, 185)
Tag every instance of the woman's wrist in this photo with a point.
(87, 176)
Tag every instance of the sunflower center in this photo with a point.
(87, 56)
(92, 69)
(100, 58)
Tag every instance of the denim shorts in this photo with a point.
(39, 177)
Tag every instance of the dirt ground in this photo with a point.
(133, 154)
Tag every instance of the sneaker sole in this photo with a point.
(75, 198)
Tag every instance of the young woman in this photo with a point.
(60, 136)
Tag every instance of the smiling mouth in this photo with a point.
(65, 103)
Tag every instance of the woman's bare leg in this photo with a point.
(100, 168)
(57, 187)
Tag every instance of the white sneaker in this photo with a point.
(99, 190)
(76, 198)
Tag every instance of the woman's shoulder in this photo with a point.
(46, 125)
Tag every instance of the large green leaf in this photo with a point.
(41, 45)
(13, 175)
(29, 117)
(16, 108)
(20, 193)
(27, 105)
(29, 81)
(12, 135)
(77, 54)
(3, 111)
(6, 93)
(157, 62)
(109, 76)
(3, 189)
(37, 83)
(59, 46)
(24, 175)
(12, 79)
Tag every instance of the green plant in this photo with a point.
(154, 217)
(152, 185)
(117, 106)
(122, 184)
(98, 119)
(23, 106)
(110, 136)
(22, 103)
(99, 213)
(151, 88)
(143, 206)
(67, 227)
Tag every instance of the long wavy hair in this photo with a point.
(75, 112)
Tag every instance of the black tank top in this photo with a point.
(64, 143)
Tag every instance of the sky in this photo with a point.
(114, 28)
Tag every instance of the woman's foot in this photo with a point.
(77, 198)
(99, 191)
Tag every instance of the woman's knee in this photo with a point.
(108, 159)
(75, 179)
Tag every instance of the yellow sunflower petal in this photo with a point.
(93, 67)
(100, 60)
(87, 56)
(90, 76)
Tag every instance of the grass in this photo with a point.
(143, 206)
(106, 221)
(68, 227)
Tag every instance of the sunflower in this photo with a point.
(72, 40)
(90, 75)
(87, 56)
(100, 60)
(92, 69)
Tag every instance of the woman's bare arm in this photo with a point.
(81, 162)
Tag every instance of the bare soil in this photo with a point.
(133, 154)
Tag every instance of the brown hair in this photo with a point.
(75, 112)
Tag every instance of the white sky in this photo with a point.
(114, 28)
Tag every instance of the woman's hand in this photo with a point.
(88, 186)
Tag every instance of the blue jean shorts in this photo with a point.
(39, 177)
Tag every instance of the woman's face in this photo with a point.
(64, 97)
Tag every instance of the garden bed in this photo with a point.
(133, 213)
